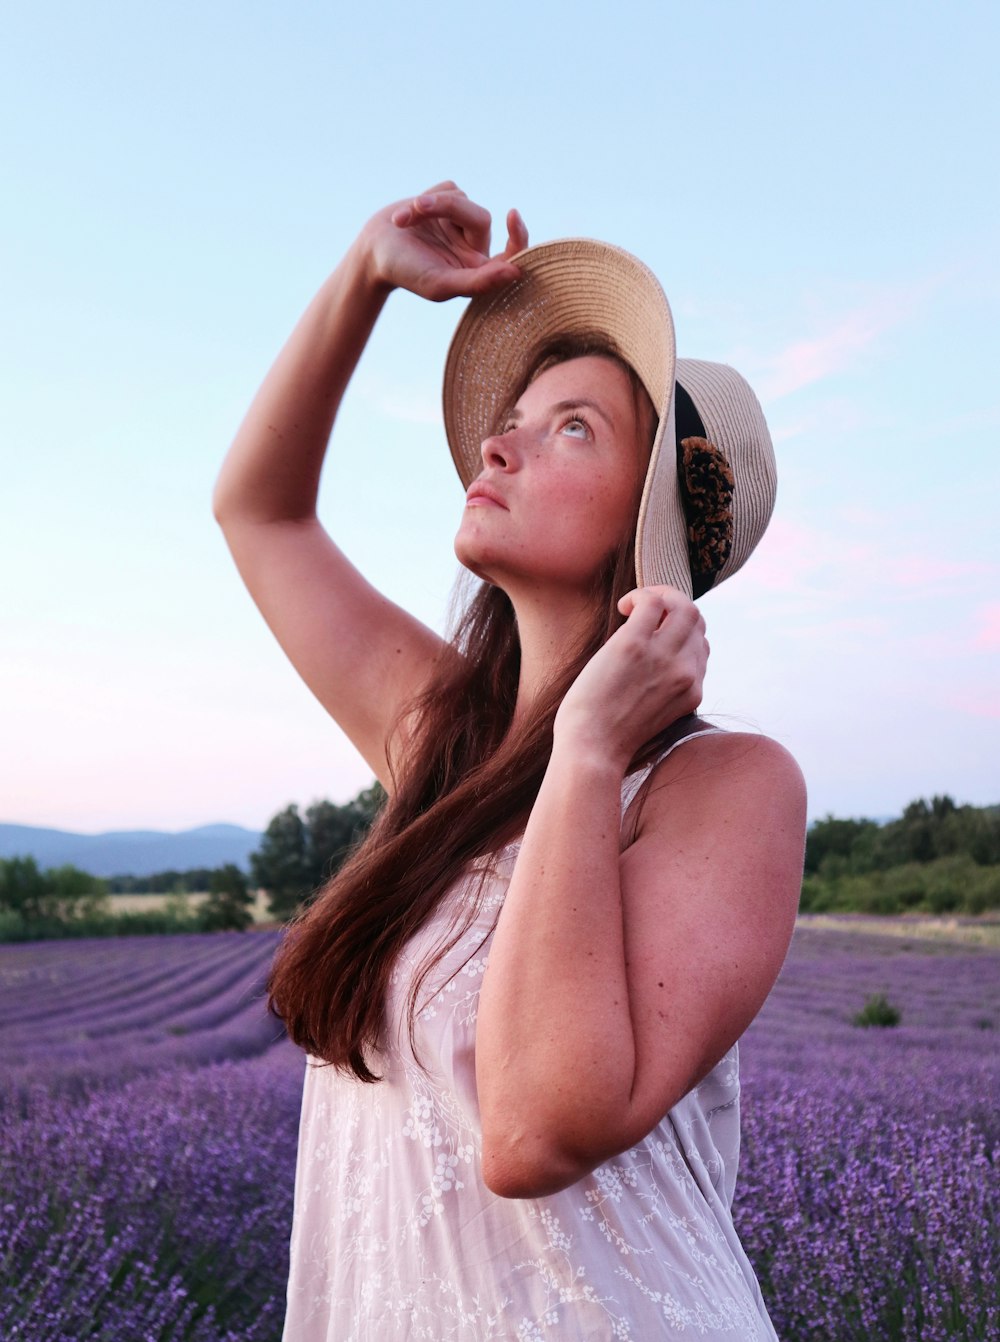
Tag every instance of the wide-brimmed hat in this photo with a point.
(709, 490)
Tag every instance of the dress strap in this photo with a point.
(634, 781)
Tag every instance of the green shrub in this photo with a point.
(983, 891)
(953, 884)
(877, 1011)
(14, 927)
(870, 894)
(229, 903)
(816, 895)
(907, 885)
(11, 926)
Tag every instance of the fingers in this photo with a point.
(517, 234)
(454, 206)
(446, 201)
(485, 278)
(405, 212)
(446, 253)
(647, 602)
(461, 282)
(662, 611)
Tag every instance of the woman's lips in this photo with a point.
(481, 494)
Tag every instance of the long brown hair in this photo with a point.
(465, 789)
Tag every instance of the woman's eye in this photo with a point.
(576, 428)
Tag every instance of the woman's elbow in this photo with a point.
(226, 502)
(220, 503)
(522, 1169)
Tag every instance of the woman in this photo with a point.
(577, 896)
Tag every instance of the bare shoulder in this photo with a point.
(719, 775)
(732, 752)
(726, 810)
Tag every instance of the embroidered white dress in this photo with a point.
(397, 1239)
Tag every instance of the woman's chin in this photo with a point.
(473, 557)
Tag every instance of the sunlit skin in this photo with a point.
(559, 482)
(556, 494)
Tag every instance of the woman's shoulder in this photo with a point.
(718, 759)
(728, 744)
(711, 771)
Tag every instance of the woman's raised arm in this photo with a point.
(361, 655)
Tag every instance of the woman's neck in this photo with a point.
(551, 632)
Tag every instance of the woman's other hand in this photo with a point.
(648, 674)
(437, 245)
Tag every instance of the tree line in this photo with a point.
(67, 902)
(938, 857)
(169, 882)
(297, 854)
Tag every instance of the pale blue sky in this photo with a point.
(816, 188)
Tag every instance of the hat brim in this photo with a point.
(574, 286)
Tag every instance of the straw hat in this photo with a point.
(707, 499)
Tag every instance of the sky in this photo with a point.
(815, 186)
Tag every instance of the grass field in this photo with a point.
(148, 1112)
(979, 931)
(143, 903)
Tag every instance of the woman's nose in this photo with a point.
(499, 451)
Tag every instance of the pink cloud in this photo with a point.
(977, 704)
(810, 361)
(831, 414)
(781, 556)
(791, 554)
(987, 636)
(804, 362)
(795, 559)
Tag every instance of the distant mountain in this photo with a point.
(132, 852)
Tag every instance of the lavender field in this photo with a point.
(869, 1197)
(148, 1111)
(147, 1134)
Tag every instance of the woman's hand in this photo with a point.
(437, 245)
(647, 675)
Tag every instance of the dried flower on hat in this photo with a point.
(706, 482)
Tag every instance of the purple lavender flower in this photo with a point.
(148, 1111)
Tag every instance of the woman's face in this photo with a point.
(560, 482)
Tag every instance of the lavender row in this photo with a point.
(938, 991)
(35, 987)
(222, 978)
(865, 1225)
(233, 979)
(75, 1071)
(159, 1211)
